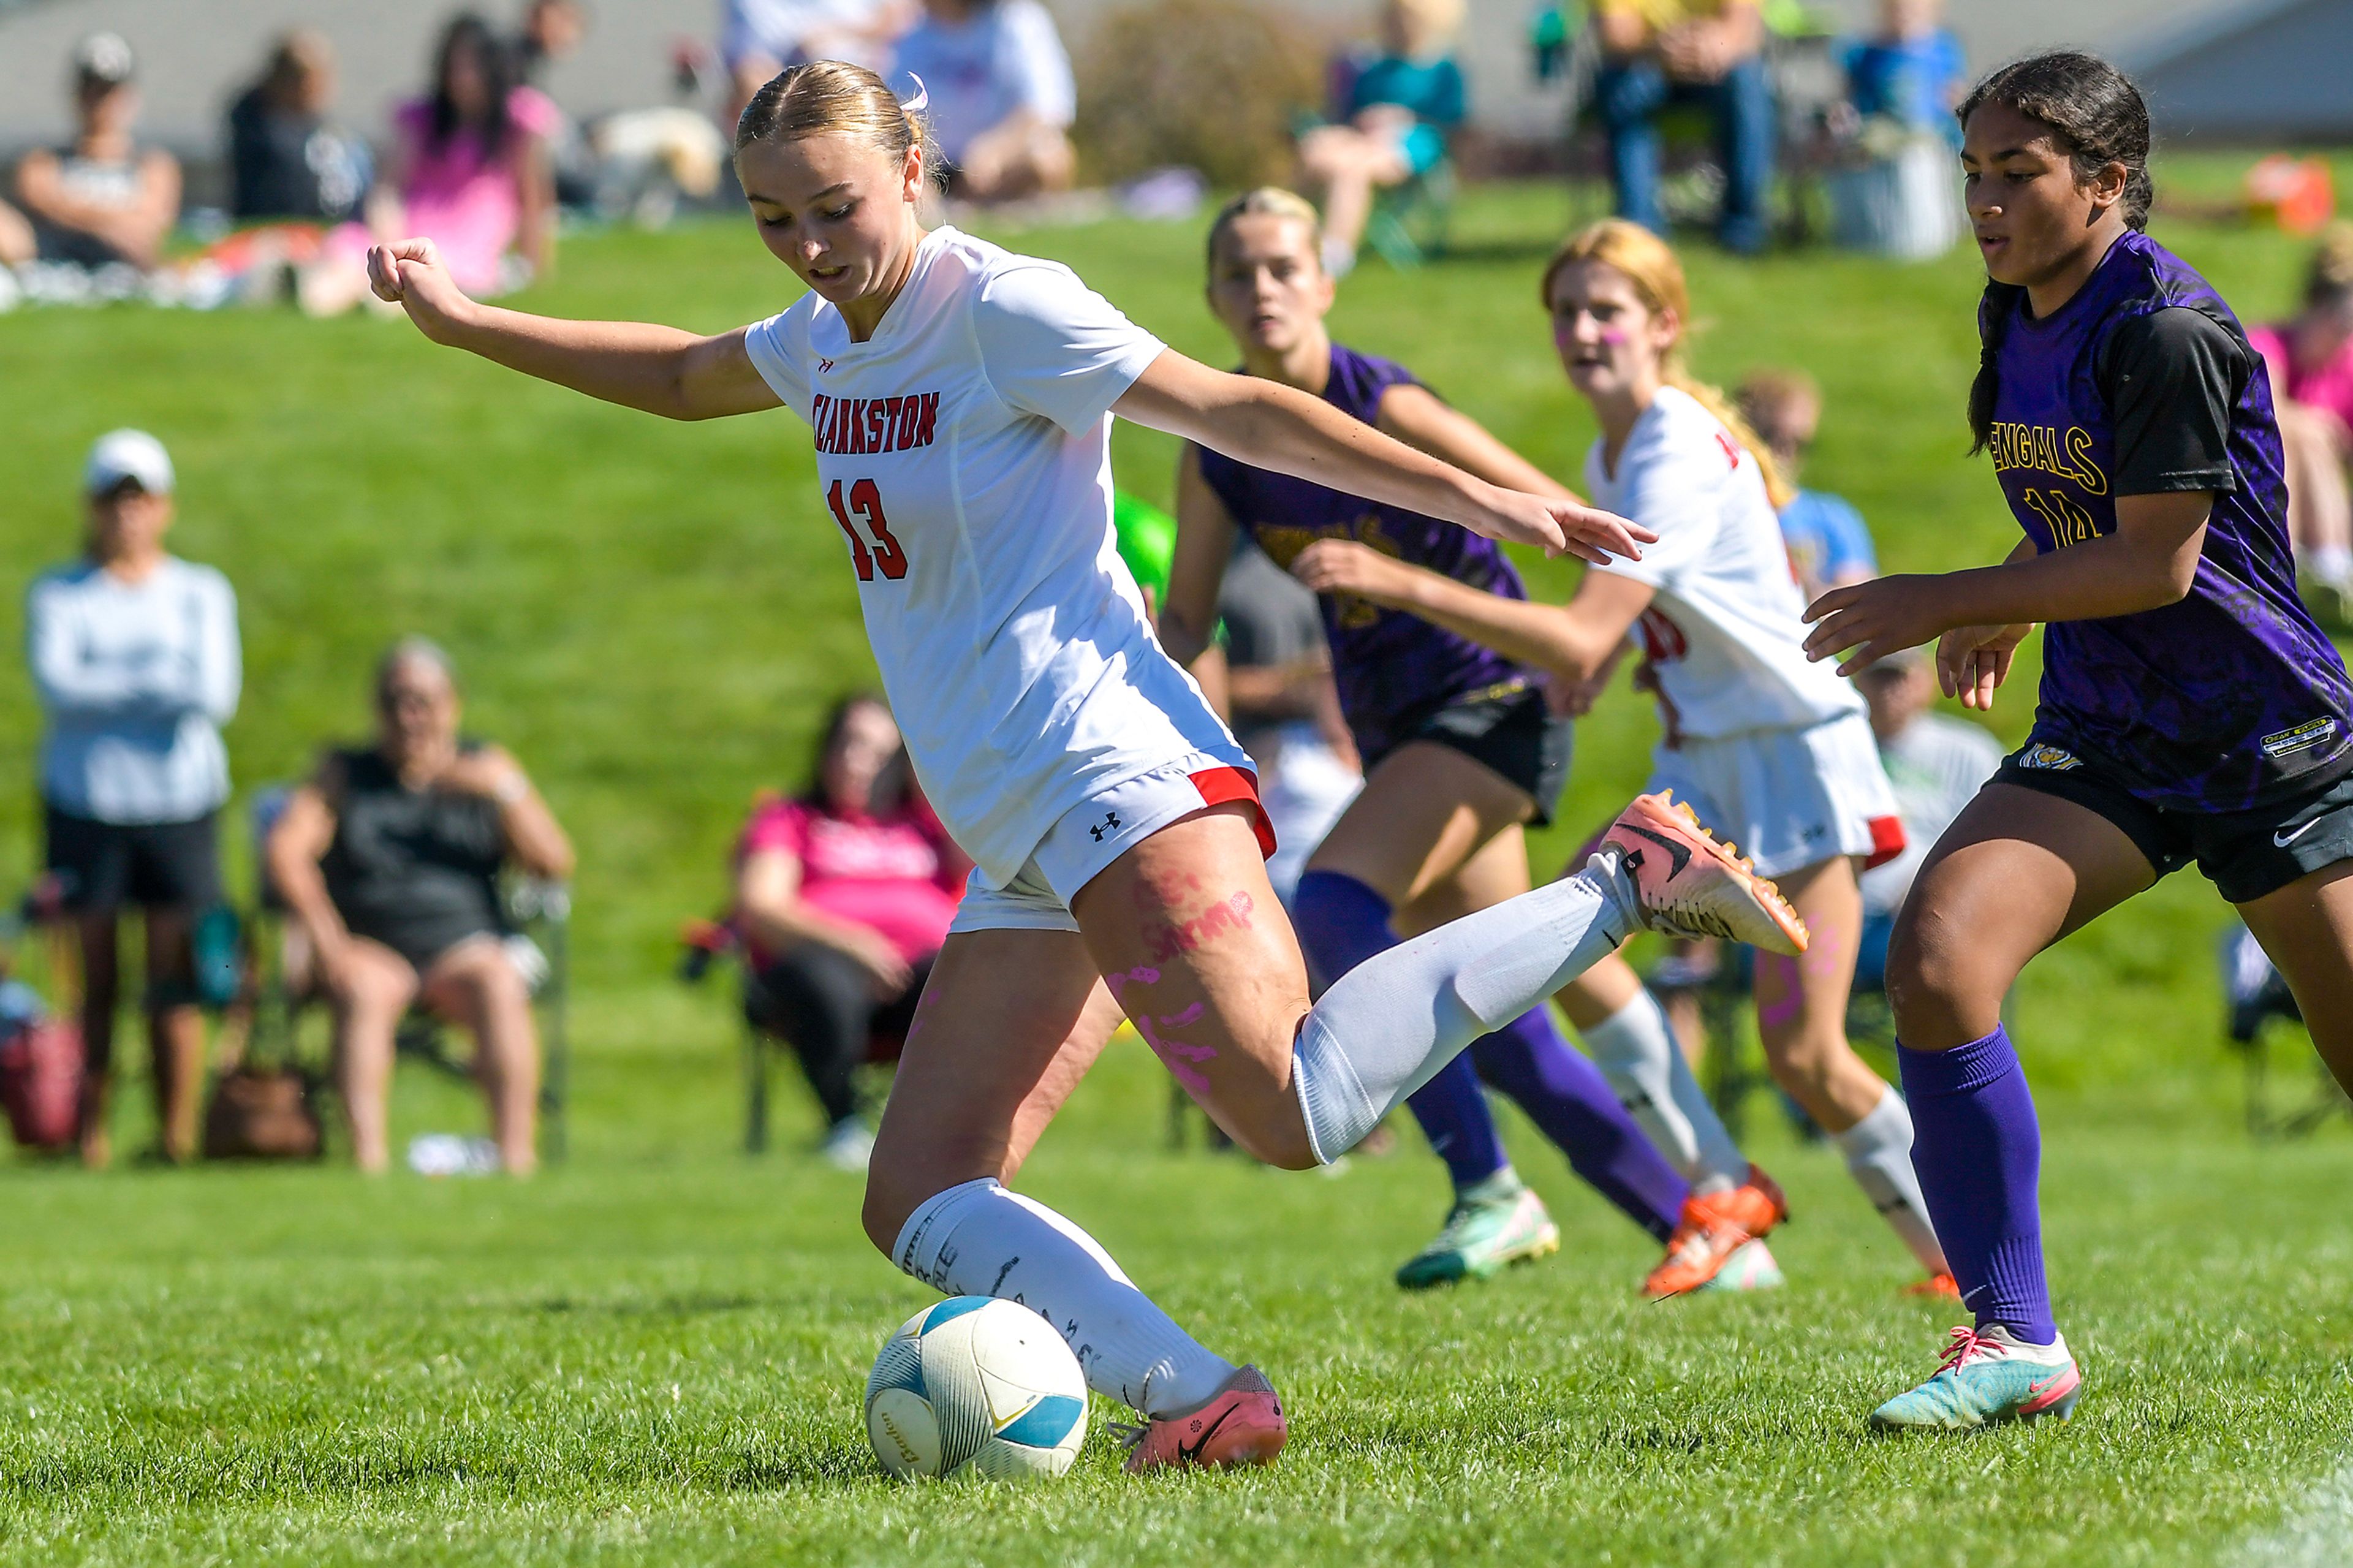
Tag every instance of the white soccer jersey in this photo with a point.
(965, 451)
(1724, 633)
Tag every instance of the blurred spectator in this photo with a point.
(553, 30)
(843, 897)
(2310, 357)
(1830, 546)
(757, 38)
(389, 859)
(101, 198)
(471, 170)
(1394, 107)
(1936, 763)
(1002, 95)
(1275, 663)
(1895, 193)
(1911, 72)
(285, 160)
(134, 657)
(1707, 52)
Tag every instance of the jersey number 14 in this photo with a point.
(883, 552)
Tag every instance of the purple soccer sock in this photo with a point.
(1566, 1095)
(1979, 1153)
(1341, 923)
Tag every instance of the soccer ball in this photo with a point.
(975, 1386)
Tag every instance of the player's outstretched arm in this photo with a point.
(660, 370)
(1275, 427)
(2149, 562)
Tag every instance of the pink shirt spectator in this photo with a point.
(892, 875)
(467, 203)
(2329, 387)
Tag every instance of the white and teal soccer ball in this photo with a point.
(975, 1386)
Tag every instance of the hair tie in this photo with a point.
(922, 100)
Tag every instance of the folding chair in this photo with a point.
(539, 916)
(705, 944)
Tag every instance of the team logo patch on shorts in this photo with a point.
(2047, 758)
(2302, 738)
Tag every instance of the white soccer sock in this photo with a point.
(979, 1239)
(1878, 1152)
(1636, 1050)
(1386, 1026)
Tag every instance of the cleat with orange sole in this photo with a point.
(1716, 1225)
(1687, 884)
(1935, 1288)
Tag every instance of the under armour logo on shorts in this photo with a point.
(1109, 824)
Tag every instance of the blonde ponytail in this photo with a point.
(1648, 264)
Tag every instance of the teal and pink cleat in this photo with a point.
(1988, 1376)
(1242, 1424)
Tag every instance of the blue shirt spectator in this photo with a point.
(1830, 546)
(136, 663)
(1430, 89)
(1912, 77)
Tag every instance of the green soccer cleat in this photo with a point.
(1988, 1377)
(1495, 1223)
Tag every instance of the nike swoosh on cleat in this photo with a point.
(2281, 840)
(1681, 856)
(1192, 1454)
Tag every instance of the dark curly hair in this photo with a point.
(2097, 117)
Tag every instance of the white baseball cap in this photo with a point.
(121, 455)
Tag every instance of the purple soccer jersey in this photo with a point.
(1393, 668)
(2231, 699)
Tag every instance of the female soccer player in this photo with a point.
(2190, 707)
(1448, 712)
(1776, 748)
(960, 396)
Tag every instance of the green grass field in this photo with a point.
(654, 1353)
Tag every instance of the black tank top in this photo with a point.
(415, 870)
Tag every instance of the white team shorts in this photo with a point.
(1089, 836)
(1788, 798)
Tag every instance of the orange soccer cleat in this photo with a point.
(1689, 885)
(1715, 1227)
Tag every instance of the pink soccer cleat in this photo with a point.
(1690, 885)
(1242, 1424)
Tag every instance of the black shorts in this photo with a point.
(1509, 729)
(2245, 854)
(103, 865)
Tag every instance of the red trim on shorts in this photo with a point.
(1218, 785)
(1887, 841)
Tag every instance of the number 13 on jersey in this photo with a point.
(883, 551)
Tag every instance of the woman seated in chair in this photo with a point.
(389, 859)
(1394, 109)
(843, 896)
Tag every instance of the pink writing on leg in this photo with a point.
(1174, 1054)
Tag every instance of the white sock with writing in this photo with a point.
(1636, 1050)
(1386, 1026)
(979, 1239)
(1878, 1150)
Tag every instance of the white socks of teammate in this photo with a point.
(1386, 1026)
(1878, 1150)
(1635, 1049)
(979, 1239)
